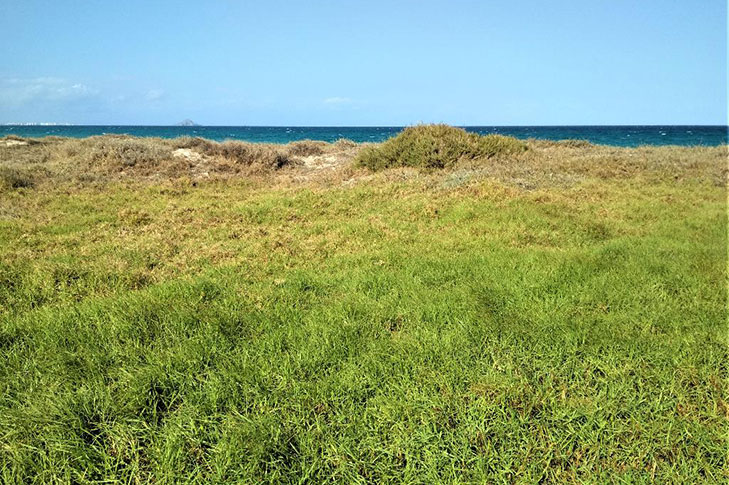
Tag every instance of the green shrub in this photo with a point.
(436, 146)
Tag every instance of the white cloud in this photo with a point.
(154, 94)
(336, 100)
(17, 92)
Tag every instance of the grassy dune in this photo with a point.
(191, 311)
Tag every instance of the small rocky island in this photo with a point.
(186, 122)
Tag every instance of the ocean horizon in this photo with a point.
(615, 135)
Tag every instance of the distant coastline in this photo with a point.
(38, 124)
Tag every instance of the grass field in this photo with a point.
(553, 315)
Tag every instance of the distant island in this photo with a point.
(187, 122)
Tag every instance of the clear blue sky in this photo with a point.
(364, 62)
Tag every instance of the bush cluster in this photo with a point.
(128, 152)
(436, 146)
(15, 178)
(240, 152)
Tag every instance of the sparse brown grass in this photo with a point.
(569, 143)
(101, 159)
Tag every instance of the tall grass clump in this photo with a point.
(436, 146)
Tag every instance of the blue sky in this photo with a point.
(364, 62)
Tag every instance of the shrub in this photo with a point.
(344, 144)
(305, 148)
(13, 138)
(242, 153)
(14, 178)
(201, 145)
(128, 152)
(436, 146)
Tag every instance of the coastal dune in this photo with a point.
(418, 151)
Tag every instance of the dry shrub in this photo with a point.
(13, 138)
(237, 155)
(123, 152)
(306, 148)
(24, 155)
(436, 146)
(15, 178)
(201, 145)
(345, 144)
(261, 155)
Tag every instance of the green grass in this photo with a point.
(390, 332)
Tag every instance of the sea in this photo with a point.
(625, 136)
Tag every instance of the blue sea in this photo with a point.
(627, 136)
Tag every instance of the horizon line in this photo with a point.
(49, 124)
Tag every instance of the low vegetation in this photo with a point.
(196, 312)
(15, 178)
(436, 146)
(101, 159)
(467, 157)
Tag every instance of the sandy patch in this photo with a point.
(318, 162)
(187, 154)
(11, 143)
